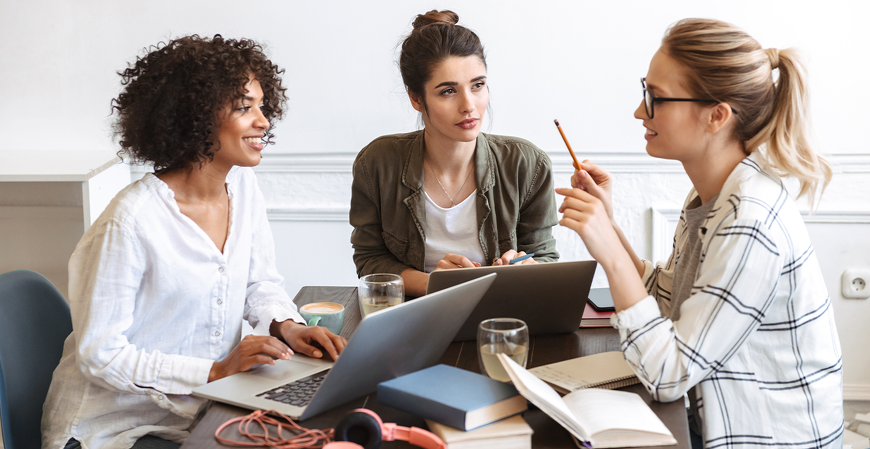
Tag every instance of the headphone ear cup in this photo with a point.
(359, 428)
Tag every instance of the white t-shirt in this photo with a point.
(454, 230)
(154, 303)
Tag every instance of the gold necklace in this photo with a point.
(432, 167)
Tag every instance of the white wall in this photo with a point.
(577, 61)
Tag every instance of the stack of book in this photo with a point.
(511, 433)
(598, 309)
(467, 410)
(594, 318)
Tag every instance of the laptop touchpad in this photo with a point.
(284, 369)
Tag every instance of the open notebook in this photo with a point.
(597, 418)
(606, 370)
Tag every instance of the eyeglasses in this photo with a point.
(649, 100)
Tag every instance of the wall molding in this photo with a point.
(616, 162)
(837, 217)
(342, 162)
(662, 221)
(856, 392)
(337, 162)
(313, 214)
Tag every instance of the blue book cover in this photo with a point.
(452, 396)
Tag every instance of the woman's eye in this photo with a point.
(448, 91)
(479, 85)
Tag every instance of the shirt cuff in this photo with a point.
(275, 314)
(642, 312)
(648, 268)
(181, 374)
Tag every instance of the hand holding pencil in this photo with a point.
(591, 178)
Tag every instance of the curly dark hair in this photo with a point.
(171, 107)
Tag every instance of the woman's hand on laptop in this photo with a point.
(455, 261)
(510, 254)
(251, 351)
(303, 339)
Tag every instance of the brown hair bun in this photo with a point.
(445, 17)
(435, 38)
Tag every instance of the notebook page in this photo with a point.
(543, 396)
(601, 410)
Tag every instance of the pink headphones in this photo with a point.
(363, 428)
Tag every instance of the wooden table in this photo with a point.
(542, 350)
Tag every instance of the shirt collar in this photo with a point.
(484, 167)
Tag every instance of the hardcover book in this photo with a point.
(593, 318)
(452, 396)
(510, 433)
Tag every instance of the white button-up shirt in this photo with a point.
(154, 304)
(756, 338)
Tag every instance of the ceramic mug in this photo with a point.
(325, 314)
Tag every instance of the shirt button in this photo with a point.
(220, 301)
(217, 333)
(160, 397)
(221, 270)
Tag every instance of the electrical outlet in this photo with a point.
(856, 284)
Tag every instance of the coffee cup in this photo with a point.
(325, 314)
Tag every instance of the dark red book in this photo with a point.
(593, 318)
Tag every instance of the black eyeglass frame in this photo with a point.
(649, 100)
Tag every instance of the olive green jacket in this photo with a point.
(516, 205)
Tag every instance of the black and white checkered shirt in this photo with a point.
(757, 334)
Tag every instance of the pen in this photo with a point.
(521, 258)
(576, 163)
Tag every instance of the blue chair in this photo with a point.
(34, 322)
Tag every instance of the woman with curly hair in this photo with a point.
(160, 283)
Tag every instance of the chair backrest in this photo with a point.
(34, 322)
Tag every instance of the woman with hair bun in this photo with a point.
(448, 196)
(738, 317)
(160, 283)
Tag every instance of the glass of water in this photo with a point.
(508, 336)
(379, 291)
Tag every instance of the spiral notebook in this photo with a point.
(607, 370)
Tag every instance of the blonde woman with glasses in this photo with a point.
(738, 317)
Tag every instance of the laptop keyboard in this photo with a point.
(297, 393)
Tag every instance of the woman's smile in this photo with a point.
(255, 142)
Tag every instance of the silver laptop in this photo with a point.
(387, 344)
(549, 297)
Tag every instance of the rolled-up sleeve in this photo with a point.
(538, 214)
(370, 251)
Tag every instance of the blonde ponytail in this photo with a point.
(728, 65)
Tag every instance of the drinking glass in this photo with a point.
(508, 336)
(379, 291)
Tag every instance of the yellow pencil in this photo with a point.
(573, 156)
